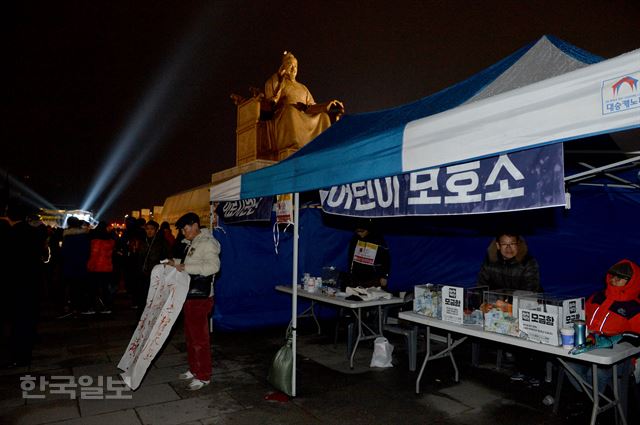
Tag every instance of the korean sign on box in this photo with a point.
(541, 317)
(452, 304)
(539, 326)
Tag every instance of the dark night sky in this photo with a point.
(80, 70)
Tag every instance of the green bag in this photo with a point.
(281, 369)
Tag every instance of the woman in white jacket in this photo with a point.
(201, 260)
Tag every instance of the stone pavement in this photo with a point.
(328, 391)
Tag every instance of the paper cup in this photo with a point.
(567, 335)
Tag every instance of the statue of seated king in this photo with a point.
(297, 118)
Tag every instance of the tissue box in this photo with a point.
(541, 317)
(428, 300)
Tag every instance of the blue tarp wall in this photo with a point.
(573, 247)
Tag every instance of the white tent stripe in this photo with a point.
(558, 109)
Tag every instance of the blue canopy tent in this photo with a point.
(491, 113)
(460, 124)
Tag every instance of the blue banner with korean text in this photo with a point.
(254, 209)
(516, 181)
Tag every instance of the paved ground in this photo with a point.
(328, 391)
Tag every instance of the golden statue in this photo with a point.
(297, 119)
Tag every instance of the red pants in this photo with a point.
(196, 332)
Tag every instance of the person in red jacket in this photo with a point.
(100, 267)
(616, 309)
(612, 311)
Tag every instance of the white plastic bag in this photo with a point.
(382, 353)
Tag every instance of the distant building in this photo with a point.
(58, 218)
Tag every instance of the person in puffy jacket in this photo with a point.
(100, 267)
(200, 258)
(612, 311)
(616, 309)
(508, 265)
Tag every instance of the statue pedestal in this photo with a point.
(252, 141)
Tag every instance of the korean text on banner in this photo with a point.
(167, 293)
(516, 181)
(253, 209)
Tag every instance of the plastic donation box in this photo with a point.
(500, 310)
(462, 305)
(427, 300)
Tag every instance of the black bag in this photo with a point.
(199, 286)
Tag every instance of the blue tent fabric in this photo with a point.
(378, 135)
(244, 289)
(574, 248)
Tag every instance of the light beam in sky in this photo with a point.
(157, 108)
(134, 166)
(28, 195)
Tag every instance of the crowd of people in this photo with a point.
(82, 268)
(95, 261)
(78, 268)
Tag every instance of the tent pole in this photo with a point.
(294, 302)
(594, 171)
(611, 176)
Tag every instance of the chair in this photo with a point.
(351, 329)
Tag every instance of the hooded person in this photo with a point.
(612, 311)
(616, 309)
(509, 265)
